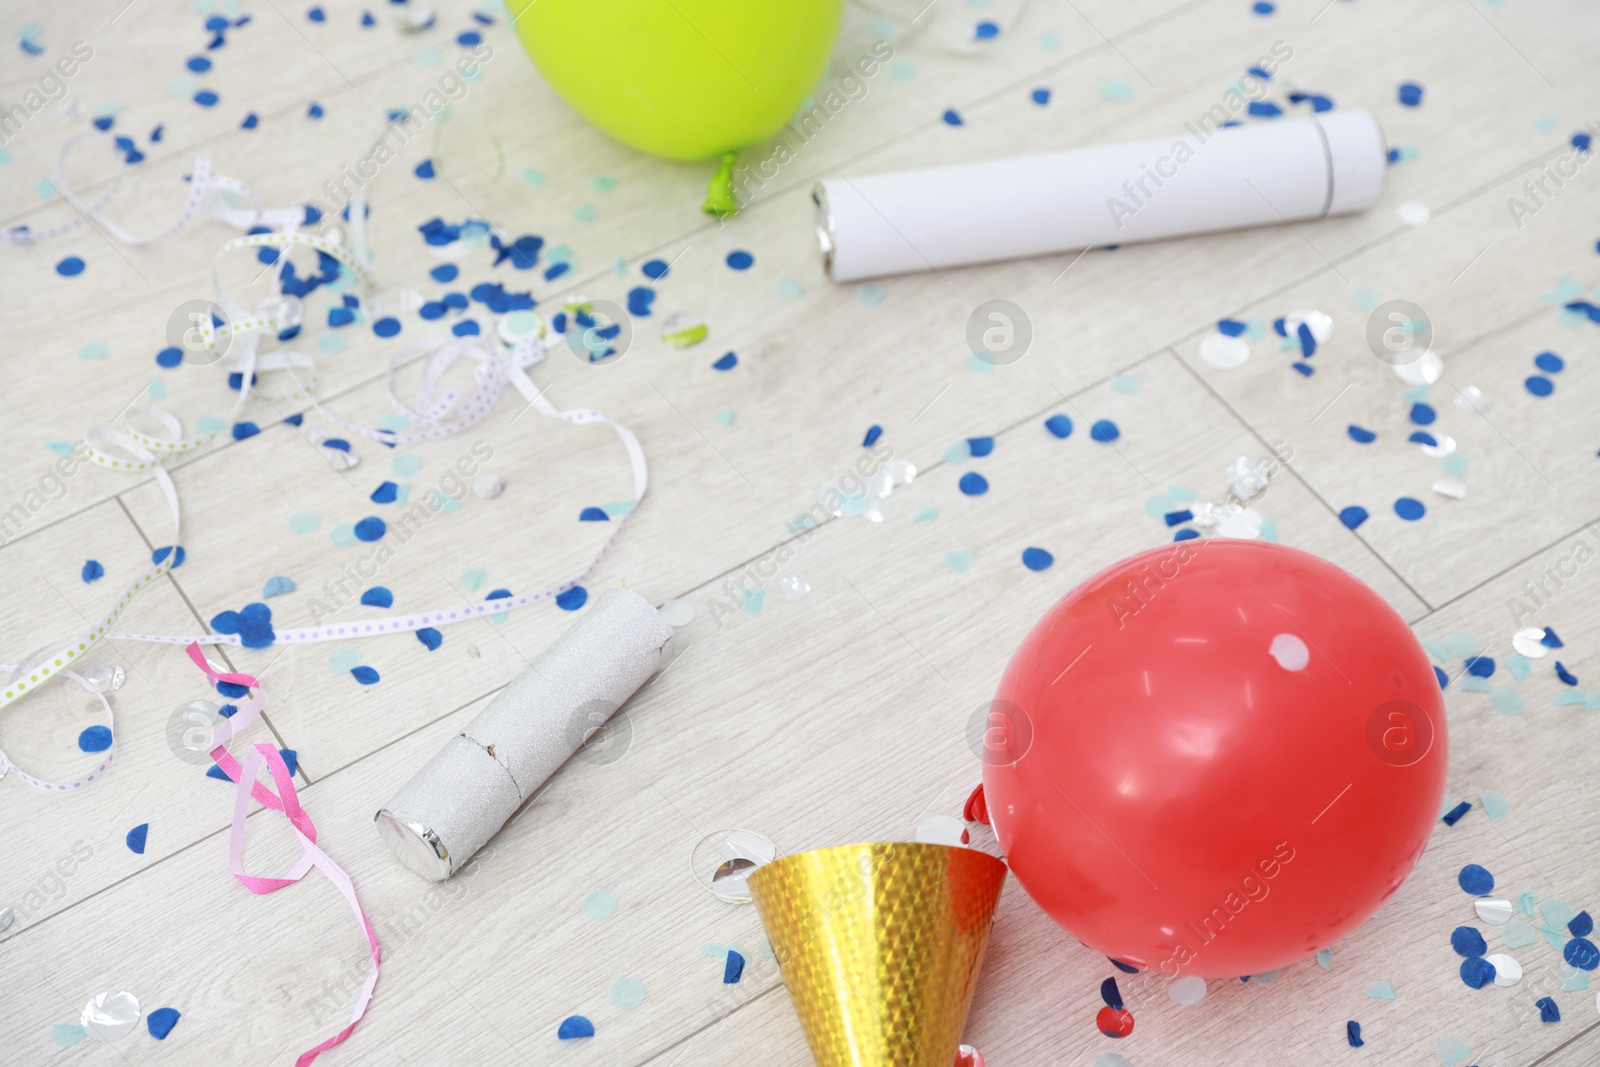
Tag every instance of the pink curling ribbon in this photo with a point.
(287, 801)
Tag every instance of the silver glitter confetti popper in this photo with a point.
(468, 790)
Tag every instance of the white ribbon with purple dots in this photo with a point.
(133, 450)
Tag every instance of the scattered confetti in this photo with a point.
(1476, 880)
(161, 1021)
(574, 1026)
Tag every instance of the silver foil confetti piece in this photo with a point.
(7, 917)
(1471, 399)
(467, 791)
(1224, 352)
(1454, 488)
(409, 300)
(1245, 525)
(1507, 971)
(1529, 642)
(1190, 989)
(794, 587)
(111, 1016)
(1424, 369)
(737, 854)
(1446, 445)
(340, 459)
(677, 612)
(413, 18)
(1247, 477)
(942, 830)
(489, 486)
(1319, 323)
(1492, 910)
(104, 677)
(286, 312)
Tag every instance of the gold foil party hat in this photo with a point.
(880, 946)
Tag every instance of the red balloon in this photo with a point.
(1216, 757)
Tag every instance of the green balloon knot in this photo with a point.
(720, 201)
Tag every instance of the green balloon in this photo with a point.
(683, 79)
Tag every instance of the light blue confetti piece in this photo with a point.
(396, 423)
(65, 1036)
(304, 522)
(1569, 697)
(627, 993)
(764, 949)
(182, 87)
(1455, 465)
(1049, 41)
(332, 343)
(157, 389)
(1573, 979)
(871, 295)
(788, 289)
(1476, 685)
(712, 949)
(1544, 124)
(343, 660)
(957, 454)
(960, 561)
(209, 424)
(533, 176)
(1117, 91)
(1382, 989)
(60, 448)
(1507, 701)
(1519, 665)
(1463, 644)
(1495, 805)
(903, 72)
(1269, 530)
(724, 416)
(1518, 934)
(1264, 978)
(1157, 506)
(751, 599)
(365, 675)
(924, 514)
(599, 904)
(1126, 383)
(1557, 913)
(1366, 299)
(44, 188)
(94, 350)
(405, 464)
(474, 578)
(343, 534)
(585, 213)
(977, 365)
(1451, 1050)
(1525, 903)
(277, 587)
(618, 508)
(1556, 939)
(1179, 494)
(1325, 959)
(1436, 648)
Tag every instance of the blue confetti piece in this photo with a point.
(136, 838)
(1453, 816)
(1409, 509)
(95, 739)
(206, 98)
(593, 514)
(1476, 880)
(1480, 666)
(1263, 7)
(336, 442)
(1231, 327)
(1549, 362)
(873, 433)
(1477, 972)
(430, 637)
(1041, 96)
(980, 446)
(573, 598)
(727, 362)
(499, 594)
(469, 38)
(952, 117)
(1305, 370)
(314, 111)
(1539, 385)
(365, 675)
(161, 1021)
(92, 571)
(1360, 434)
(733, 970)
(1581, 953)
(1186, 535)
(1104, 431)
(1423, 414)
(1126, 968)
(169, 357)
(640, 297)
(218, 773)
(378, 596)
(69, 267)
(1565, 675)
(1581, 925)
(342, 316)
(740, 260)
(973, 484)
(655, 269)
(251, 121)
(1265, 109)
(1036, 559)
(370, 528)
(228, 711)
(1420, 437)
(243, 430)
(1468, 942)
(1581, 141)
(1111, 994)
(1176, 518)
(232, 690)
(1550, 640)
(1352, 1033)
(986, 31)
(385, 493)
(445, 272)
(316, 14)
(465, 328)
(1410, 94)
(1059, 425)
(1548, 1012)
(574, 1026)
(291, 758)
(387, 326)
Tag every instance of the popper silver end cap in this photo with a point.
(415, 845)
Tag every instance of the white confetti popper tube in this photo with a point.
(1195, 182)
(467, 791)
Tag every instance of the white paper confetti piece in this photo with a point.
(677, 613)
(942, 830)
(1529, 642)
(1190, 989)
(1454, 488)
(1224, 352)
(1413, 213)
